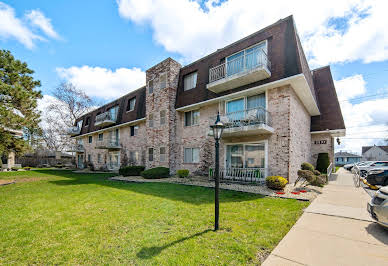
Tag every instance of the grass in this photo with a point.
(59, 217)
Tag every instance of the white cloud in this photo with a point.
(12, 27)
(38, 19)
(363, 120)
(103, 82)
(184, 27)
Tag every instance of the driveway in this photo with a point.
(335, 229)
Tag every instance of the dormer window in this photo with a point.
(87, 121)
(190, 81)
(131, 104)
(79, 124)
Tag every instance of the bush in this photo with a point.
(14, 168)
(307, 175)
(276, 182)
(323, 162)
(131, 170)
(307, 166)
(27, 168)
(320, 180)
(182, 173)
(316, 172)
(155, 173)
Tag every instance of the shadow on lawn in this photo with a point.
(189, 194)
(148, 253)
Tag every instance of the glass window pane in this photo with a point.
(195, 155)
(188, 155)
(256, 101)
(150, 86)
(235, 105)
(163, 81)
(195, 117)
(188, 119)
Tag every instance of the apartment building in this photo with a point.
(277, 112)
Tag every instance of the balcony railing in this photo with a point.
(243, 63)
(72, 131)
(248, 117)
(77, 148)
(105, 119)
(110, 144)
(240, 175)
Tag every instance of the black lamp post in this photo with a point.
(217, 128)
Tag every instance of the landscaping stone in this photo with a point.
(310, 194)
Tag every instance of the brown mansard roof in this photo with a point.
(287, 59)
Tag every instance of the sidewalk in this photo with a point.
(334, 230)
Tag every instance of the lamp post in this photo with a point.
(217, 128)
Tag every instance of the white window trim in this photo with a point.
(246, 100)
(187, 75)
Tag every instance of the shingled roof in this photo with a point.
(345, 154)
(366, 148)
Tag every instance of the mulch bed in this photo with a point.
(6, 182)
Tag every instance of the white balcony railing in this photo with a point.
(110, 144)
(72, 131)
(244, 175)
(106, 118)
(77, 148)
(245, 62)
(247, 117)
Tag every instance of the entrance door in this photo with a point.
(80, 161)
(114, 160)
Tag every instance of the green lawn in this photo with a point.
(58, 217)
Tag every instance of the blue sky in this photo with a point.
(104, 46)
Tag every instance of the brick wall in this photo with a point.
(321, 143)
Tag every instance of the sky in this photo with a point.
(104, 47)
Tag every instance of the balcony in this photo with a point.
(109, 144)
(246, 122)
(105, 119)
(245, 69)
(77, 148)
(72, 131)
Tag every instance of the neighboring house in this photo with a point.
(375, 153)
(277, 112)
(9, 161)
(45, 157)
(343, 157)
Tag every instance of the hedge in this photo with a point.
(182, 173)
(307, 166)
(155, 173)
(131, 170)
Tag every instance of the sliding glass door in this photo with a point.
(245, 155)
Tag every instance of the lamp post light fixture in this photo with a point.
(217, 129)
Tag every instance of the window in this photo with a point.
(99, 158)
(162, 117)
(89, 158)
(90, 139)
(162, 154)
(191, 155)
(131, 104)
(151, 120)
(190, 81)
(163, 80)
(101, 136)
(87, 121)
(134, 157)
(113, 112)
(150, 86)
(134, 130)
(191, 118)
(79, 124)
(150, 154)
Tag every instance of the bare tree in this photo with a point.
(70, 103)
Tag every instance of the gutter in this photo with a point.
(333, 132)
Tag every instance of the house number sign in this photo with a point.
(320, 141)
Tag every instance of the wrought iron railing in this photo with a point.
(105, 117)
(245, 62)
(113, 143)
(77, 148)
(73, 130)
(247, 117)
(243, 175)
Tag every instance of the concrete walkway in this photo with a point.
(334, 230)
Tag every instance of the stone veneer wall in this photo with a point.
(317, 148)
(300, 136)
(162, 99)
